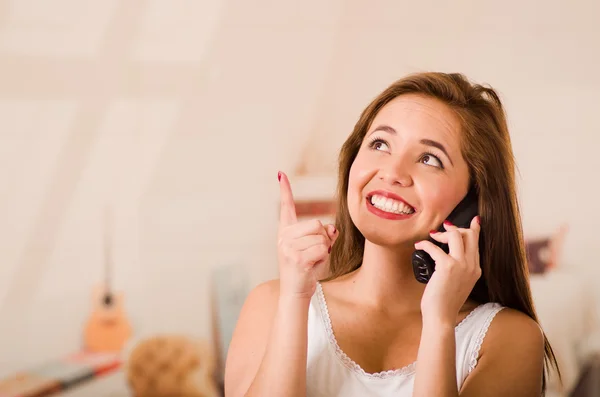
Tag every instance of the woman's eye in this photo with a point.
(432, 160)
(379, 144)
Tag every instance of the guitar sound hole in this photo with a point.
(108, 300)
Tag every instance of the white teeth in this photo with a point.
(390, 205)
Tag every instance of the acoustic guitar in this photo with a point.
(107, 328)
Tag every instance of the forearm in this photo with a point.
(282, 371)
(436, 362)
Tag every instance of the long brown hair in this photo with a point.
(486, 147)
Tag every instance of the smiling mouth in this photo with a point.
(390, 206)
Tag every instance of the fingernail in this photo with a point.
(433, 231)
(279, 176)
(329, 251)
(334, 230)
(478, 219)
(448, 223)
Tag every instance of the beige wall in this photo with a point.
(179, 114)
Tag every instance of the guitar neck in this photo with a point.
(108, 252)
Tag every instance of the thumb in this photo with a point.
(332, 233)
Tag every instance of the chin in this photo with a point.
(380, 231)
(381, 235)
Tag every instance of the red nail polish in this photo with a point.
(334, 230)
(329, 251)
(448, 223)
(279, 176)
(478, 220)
(433, 231)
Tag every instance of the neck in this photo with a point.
(386, 279)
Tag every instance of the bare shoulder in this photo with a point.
(511, 359)
(510, 323)
(250, 337)
(263, 293)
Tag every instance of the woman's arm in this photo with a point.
(446, 292)
(511, 360)
(267, 354)
(436, 361)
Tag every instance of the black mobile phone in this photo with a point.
(461, 216)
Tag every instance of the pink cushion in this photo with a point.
(543, 252)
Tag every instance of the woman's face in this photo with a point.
(409, 172)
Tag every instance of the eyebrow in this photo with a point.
(424, 141)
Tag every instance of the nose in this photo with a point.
(396, 171)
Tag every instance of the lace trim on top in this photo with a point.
(392, 373)
(480, 337)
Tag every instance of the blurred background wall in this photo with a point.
(178, 115)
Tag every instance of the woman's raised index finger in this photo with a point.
(288, 208)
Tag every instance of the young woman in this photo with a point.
(370, 328)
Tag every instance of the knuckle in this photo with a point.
(448, 266)
(281, 242)
(295, 257)
(316, 223)
(284, 230)
(285, 249)
(454, 265)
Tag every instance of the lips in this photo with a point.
(392, 198)
(389, 205)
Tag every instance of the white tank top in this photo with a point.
(330, 372)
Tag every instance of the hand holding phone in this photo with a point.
(461, 216)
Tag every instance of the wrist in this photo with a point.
(438, 323)
(294, 301)
(292, 311)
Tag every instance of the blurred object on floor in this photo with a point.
(26, 384)
(112, 385)
(171, 365)
(56, 376)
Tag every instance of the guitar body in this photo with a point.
(107, 329)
